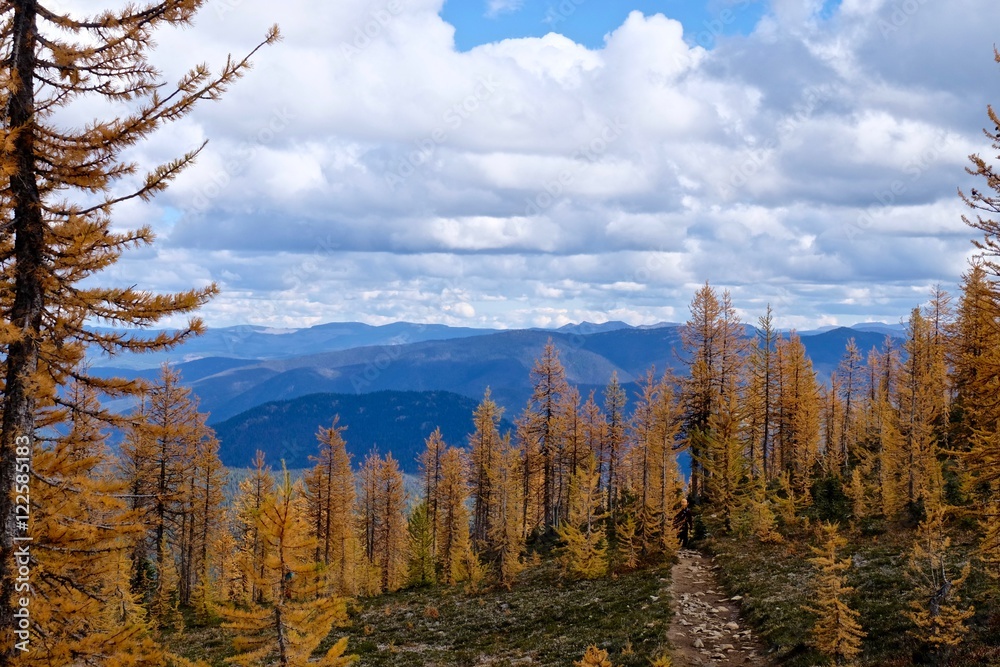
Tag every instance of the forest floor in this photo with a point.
(735, 602)
(775, 582)
(706, 629)
(543, 621)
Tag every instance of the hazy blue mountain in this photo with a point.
(896, 330)
(810, 332)
(466, 366)
(827, 349)
(235, 390)
(636, 350)
(590, 327)
(391, 420)
(255, 342)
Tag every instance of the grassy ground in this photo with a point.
(776, 582)
(543, 621)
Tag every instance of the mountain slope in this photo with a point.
(827, 349)
(391, 420)
(466, 366)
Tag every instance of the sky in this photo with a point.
(516, 163)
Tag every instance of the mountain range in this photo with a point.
(236, 372)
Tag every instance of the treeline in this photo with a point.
(903, 438)
(135, 546)
(117, 551)
(569, 472)
(900, 435)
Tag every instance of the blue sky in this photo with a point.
(588, 21)
(527, 165)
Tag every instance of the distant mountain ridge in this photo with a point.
(896, 330)
(464, 365)
(258, 342)
(462, 362)
(250, 342)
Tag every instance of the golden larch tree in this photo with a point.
(837, 633)
(430, 471)
(248, 580)
(60, 183)
(206, 524)
(850, 375)
(655, 475)
(83, 530)
(920, 404)
(756, 514)
(507, 537)
(800, 412)
(715, 348)
(594, 657)
(975, 348)
(484, 458)
(295, 615)
(330, 492)
(532, 503)
(584, 542)
(548, 379)
(725, 461)
(573, 446)
(166, 443)
(615, 440)
(974, 354)
(936, 609)
(594, 426)
(986, 204)
(453, 543)
(637, 463)
(762, 395)
(940, 316)
(883, 452)
(381, 517)
(831, 409)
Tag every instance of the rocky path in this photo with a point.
(706, 630)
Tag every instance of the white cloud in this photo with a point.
(496, 7)
(367, 170)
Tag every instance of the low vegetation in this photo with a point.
(778, 586)
(545, 620)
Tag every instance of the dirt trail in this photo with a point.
(706, 629)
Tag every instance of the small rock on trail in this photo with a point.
(706, 630)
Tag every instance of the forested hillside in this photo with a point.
(227, 387)
(472, 497)
(888, 447)
(391, 421)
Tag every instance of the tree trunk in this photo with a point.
(26, 313)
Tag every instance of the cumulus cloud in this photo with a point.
(367, 170)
